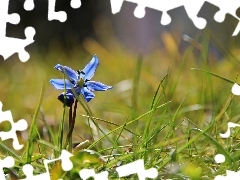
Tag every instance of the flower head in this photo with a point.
(79, 81)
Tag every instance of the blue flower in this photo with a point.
(69, 98)
(79, 81)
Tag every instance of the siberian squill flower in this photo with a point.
(79, 81)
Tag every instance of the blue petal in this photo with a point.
(61, 84)
(72, 75)
(90, 68)
(97, 86)
(69, 98)
(88, 95)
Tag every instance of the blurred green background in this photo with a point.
(117, 40)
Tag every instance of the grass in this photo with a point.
(166, 107)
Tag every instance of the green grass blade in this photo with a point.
(89, 113)
(112, 123)
(153, 104)
(128, 123)
(156, 92)
(52, 139)
(216, 75)
(10, 152)
(61, 129)
(33, 132)
(49, 145)
(220, 149)
(193, 139)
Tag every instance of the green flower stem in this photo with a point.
(69, 135)
(69, 124)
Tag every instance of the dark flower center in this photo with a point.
(80, 72)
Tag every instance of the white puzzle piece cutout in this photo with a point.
(28, 171)
(229, 7)
(230, 175)
(66, 166)
(236, 89)
(20, 125)
(9, 45)
(29, 5)
(164, 6)
(137, 167)
(53, 15)
(219, 158)
(75, 4)
(227, 133)
(87, 173)
(7, 162)
(60, 15)
(192, 8)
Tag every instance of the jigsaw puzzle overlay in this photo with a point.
(192, 8)
(66, 166)
(219, 158)
(136, 167)
(20, 125)
(10, 45)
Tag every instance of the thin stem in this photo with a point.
(69, 135)
(61, 126)
(69, 124)
(74, 112)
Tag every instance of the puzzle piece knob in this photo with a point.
(166, 19)
(14, 18)
(139, 12)
(76, 4)
(29, 5)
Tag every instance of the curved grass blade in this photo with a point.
(171, 131)
(156, 92)
(10, 152)
(218, 146)
(112, 123)
(192, 140)
(130, 122)
(216, 75)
